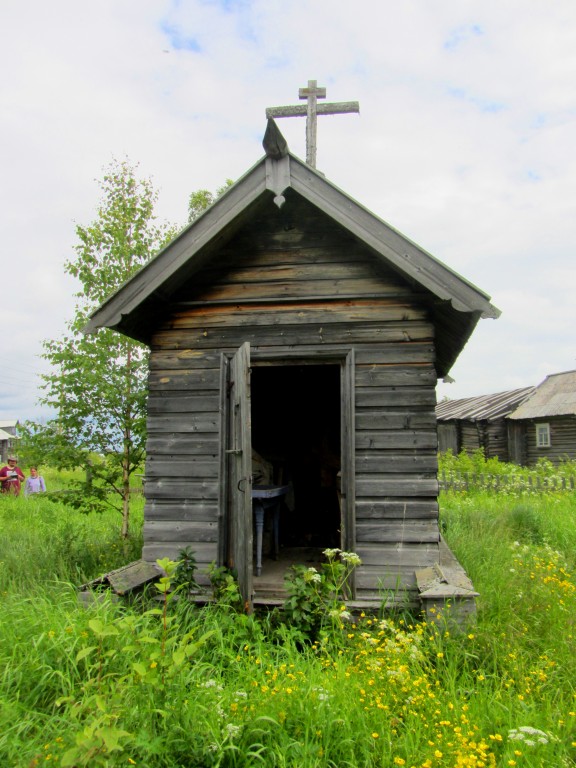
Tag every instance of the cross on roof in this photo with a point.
(311, 110)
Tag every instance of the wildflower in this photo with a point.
(399, 761)
(525, 731)
(311, 574)
(331, 553)
(351, 558)
(376, 736)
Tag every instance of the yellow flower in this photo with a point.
(375, 735)
(440, 655)
(399, 761)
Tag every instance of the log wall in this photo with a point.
(296, 283)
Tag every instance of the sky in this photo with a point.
(465, 143)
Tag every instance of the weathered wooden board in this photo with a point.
(294, 271)
(385, 419)
(395, 375)
(184, 402)
(190, 379)
(408, 532)
(379, 579)
(389, 485)
(399, 397)
(393, 508)
(396, 555)
(182, 423)
(327, 288)
(204, 552)
(171, 488)
(276, 334)
(184, 444)
(396, 439)
(195, 510)
(164, 359)
(402, 352)
(397, 463)
(191, 468)
(177, 530)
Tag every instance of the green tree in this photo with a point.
(97, 387)
(203, 198)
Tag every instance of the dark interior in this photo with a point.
(296, 430)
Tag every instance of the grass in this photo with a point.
(115, 685)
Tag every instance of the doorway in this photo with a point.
(296, 441)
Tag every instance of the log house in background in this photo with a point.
(290, 320)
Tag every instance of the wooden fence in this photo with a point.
(470, 481)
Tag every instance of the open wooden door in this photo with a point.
(240, 472)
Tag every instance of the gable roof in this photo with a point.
(131, 310)
(483, 407)
(556, 396)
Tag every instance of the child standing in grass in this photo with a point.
(35, 483)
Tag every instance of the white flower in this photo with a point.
(311, 574)
(351, 558)
(331, 553)
(520, 734)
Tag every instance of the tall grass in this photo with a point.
(118, 685)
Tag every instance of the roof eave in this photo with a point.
(275, 176)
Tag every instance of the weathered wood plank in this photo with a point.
(400, 397)
(387, 419)
(328, 288)
(402, 352)
(184, 467)
(293, 271)
(182, 489)
(178, 422)
(398, 555)
(395, 375)
(193, 511)
(278, 336)
(300, 313)
(396, 509)
(204, 552)
(159, 531)
(188, 379)
(166, 359)
(384, 463)
(390, 485)
(408, 532)
(182, 402)
(396, 439)
(381, 580)
(193, 444)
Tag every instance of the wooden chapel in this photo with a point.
(291, 327)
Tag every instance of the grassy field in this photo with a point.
(178, 686)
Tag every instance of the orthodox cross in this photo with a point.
(311, 110)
